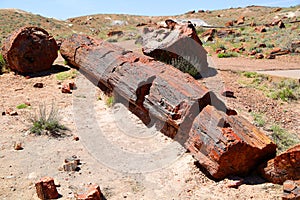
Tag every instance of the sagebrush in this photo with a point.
(44, 122)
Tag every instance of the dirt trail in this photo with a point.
(250, 64)
(295, 74)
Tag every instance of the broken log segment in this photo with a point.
(226, 145)
(285, 166)
(163, 96)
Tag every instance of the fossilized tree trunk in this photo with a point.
(178, 105)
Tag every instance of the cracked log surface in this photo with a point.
(174, 102)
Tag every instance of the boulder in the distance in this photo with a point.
(177, 44)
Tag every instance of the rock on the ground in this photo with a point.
(229, 23)
(291, 190)
(112, 33)
(93, 193)
(18, 146)
(241, 20)
(227, 93)
(270, 56)
(259, 56)
(71, 164)
(260, 29)
(283, 167)
(38, 85)
(224, 33)
(46, 189)
(29, 50)
(178, 41)
(295, 45)
(11, 112)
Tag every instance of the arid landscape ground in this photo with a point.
(258, 98)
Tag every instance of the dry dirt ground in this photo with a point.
(178, 178)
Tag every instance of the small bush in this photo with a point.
(22, 106)
(217, 45)
(66, 75)
(227, 55)
(2, 64)
(46, 123)
(110, 101)
(250, 74)
(282, 138)
(284, 94)
(200, 30)
(286, 90)
(258, 119)
(112, 40)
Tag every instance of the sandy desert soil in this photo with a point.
(177, 178)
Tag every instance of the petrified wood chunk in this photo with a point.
(46, 189)
(30, 49)
(285, 166)
(176, 41)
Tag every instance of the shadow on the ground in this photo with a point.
(251, 179)
(53, 70)
(209, 72)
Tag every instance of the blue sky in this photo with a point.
(63, 9)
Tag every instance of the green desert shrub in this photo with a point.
(3, 66)
(110, 101)
(227, 55)
(282, 138)
(258, 119)
(45, 122)
(286, 90)
(66, 75)
(22, 106)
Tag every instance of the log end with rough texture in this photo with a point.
(285, 166)
(227, 145)
(29, 50)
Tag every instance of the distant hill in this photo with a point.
(100, 24)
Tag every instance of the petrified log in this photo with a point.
(30, 49)
(173, 42)
(156, 92)
(161, 95)
(285, 166)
